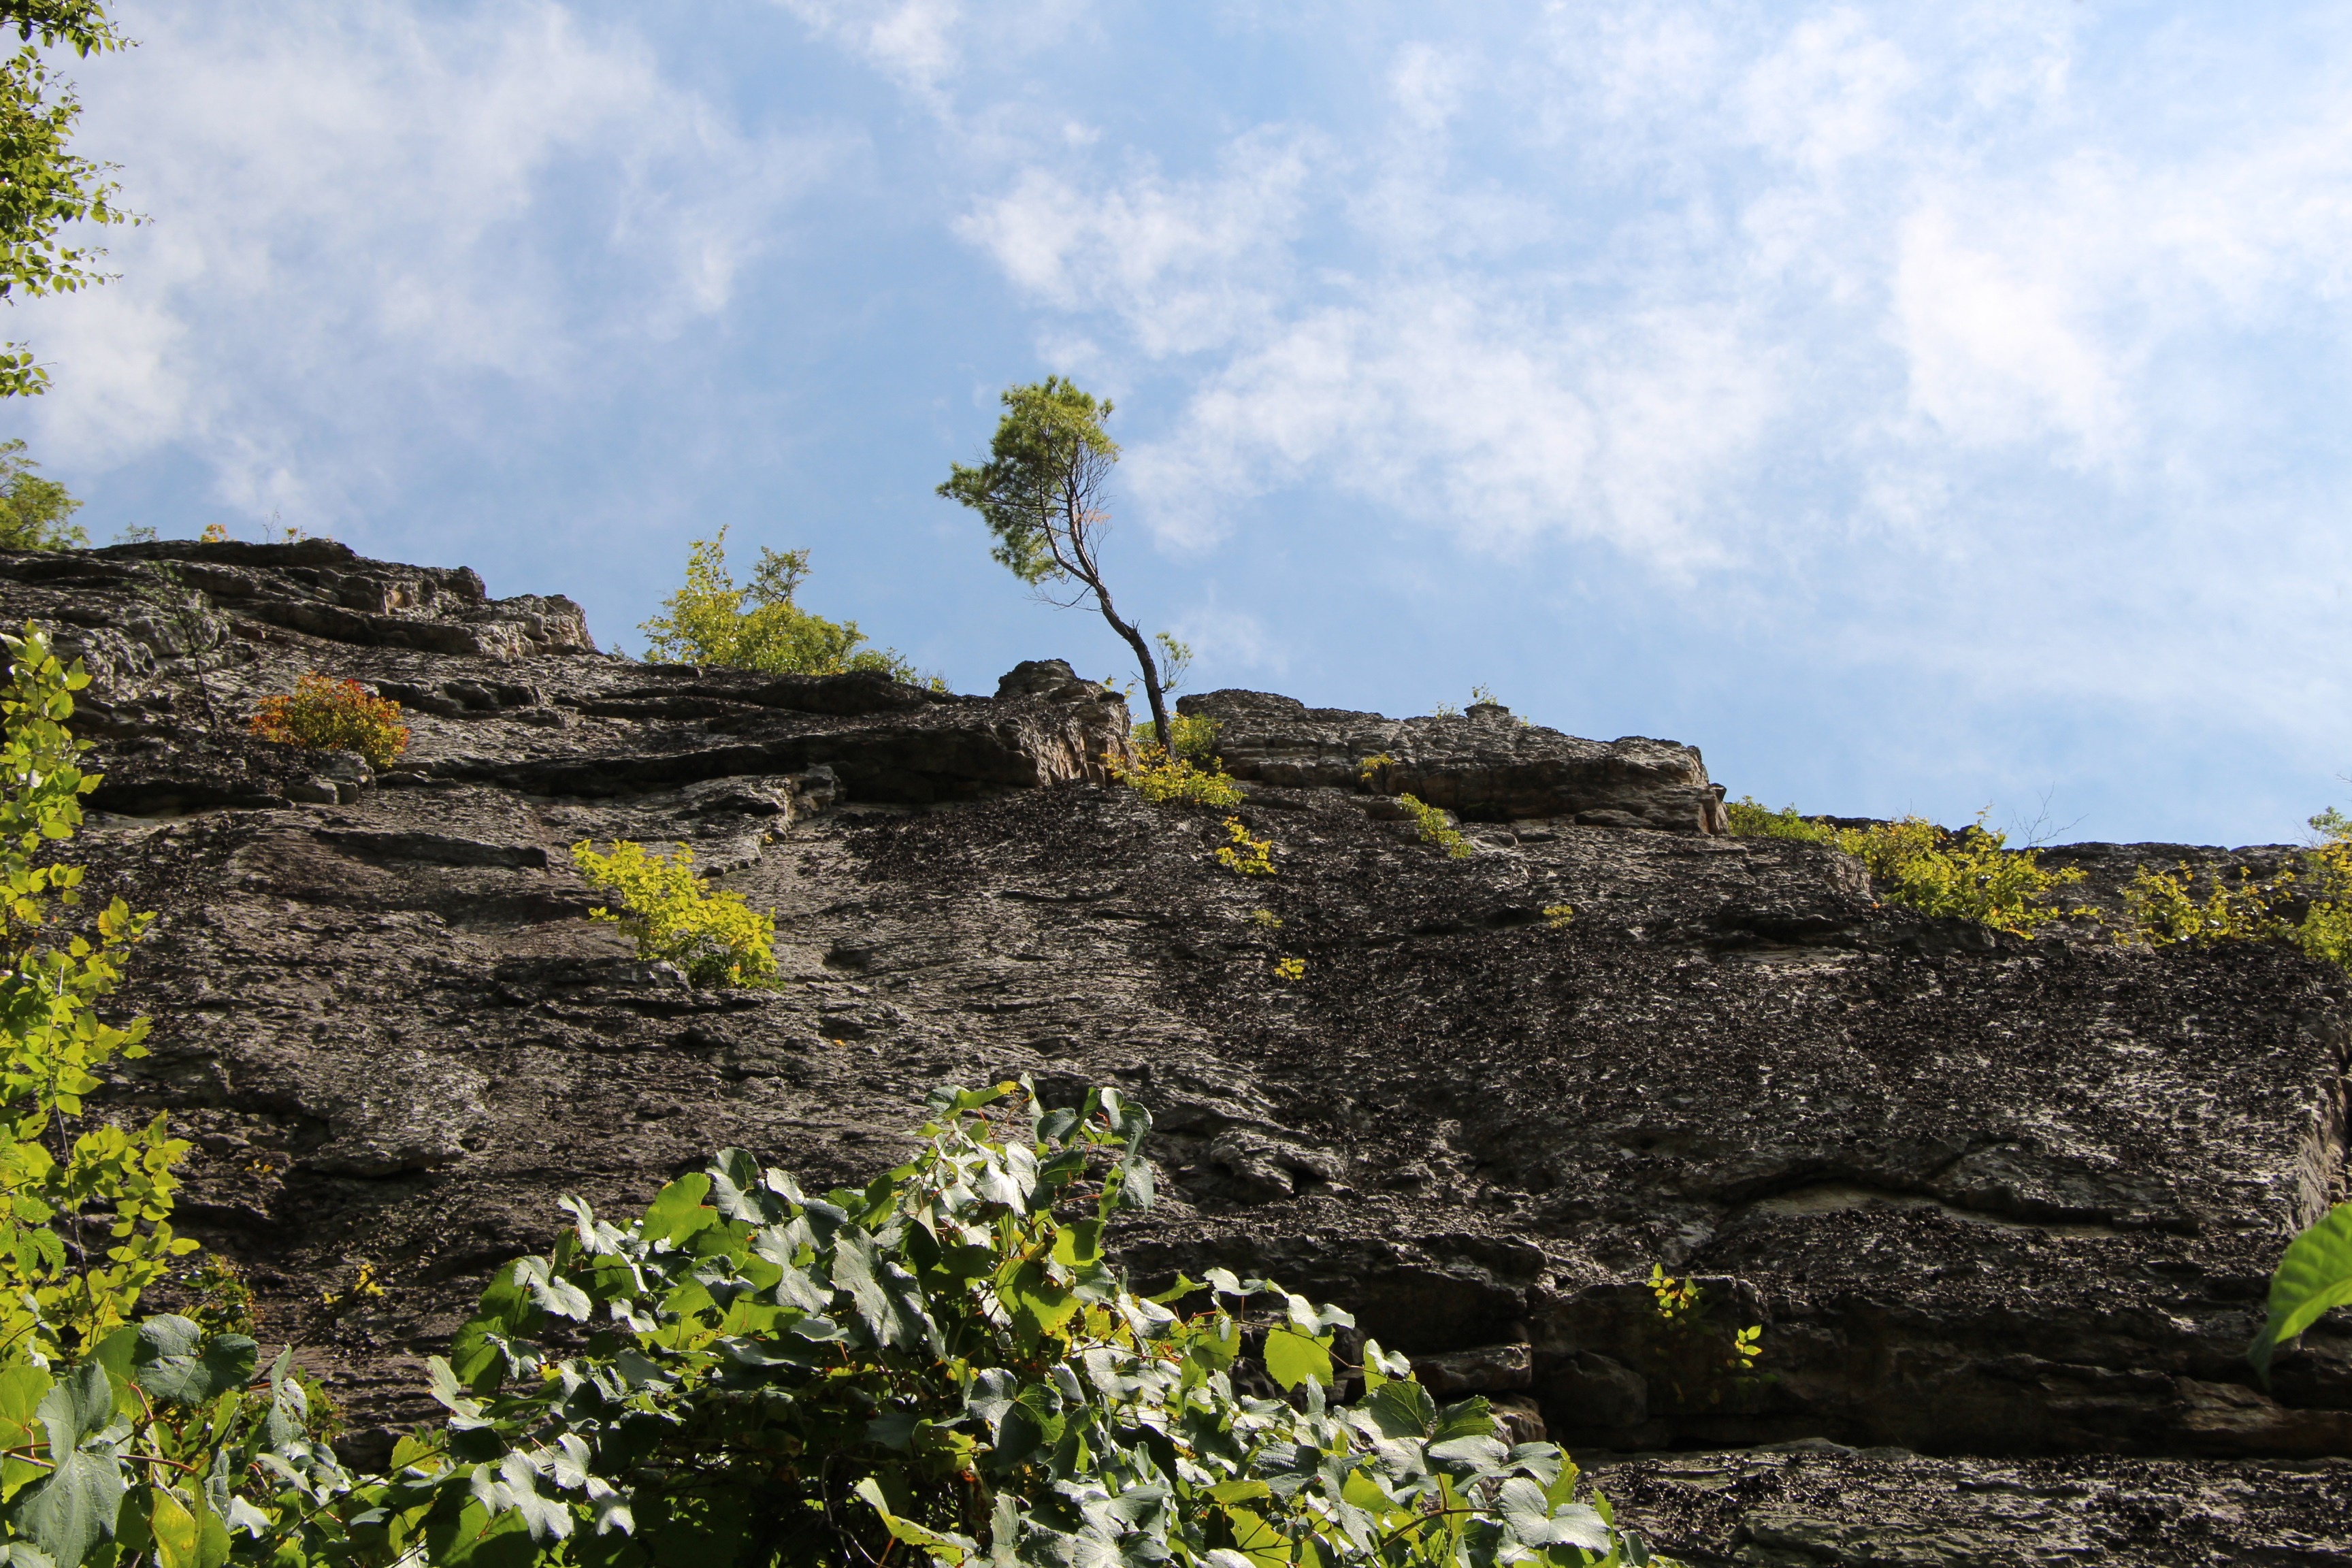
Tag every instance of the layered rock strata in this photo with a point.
(1485, 765)
(2004, 1206)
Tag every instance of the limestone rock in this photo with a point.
(2009, 1203)
(1484, 765)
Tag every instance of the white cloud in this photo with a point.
(911, 42)
(2002, 350)
(361, 213)
(1473, 412)
(1829, 94)
(1184, 265)
(1858, 247)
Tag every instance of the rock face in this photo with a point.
(2003, 1210)
(1484, 765)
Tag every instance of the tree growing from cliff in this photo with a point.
(43, 185)
(1042, 493)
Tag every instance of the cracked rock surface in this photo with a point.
(2004, 1210)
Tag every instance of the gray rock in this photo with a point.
(1488, 1369)
(1484, 765)
(2012, 1203)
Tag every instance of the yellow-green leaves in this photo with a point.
(1159, 778)
(1291, 1357)
(1243, 854)
(715, 937)
(1436, 827)
(711, 621)
(1968, 874)
(51, 977)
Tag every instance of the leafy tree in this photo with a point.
(33, 510)
(43, 185)
(1041, 492)
(711, 621)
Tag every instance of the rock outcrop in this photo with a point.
(2003, 1209)
(1484, 765)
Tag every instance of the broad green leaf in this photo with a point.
(506, 1307)
(1481, 1454)
(1036, 1300)
(990, 1396)
(1080, 1244)
(1473, 1418)
(21, 1391)
(678, 1211)
(72, 1508)
(1401, 1408)
(164, 1337)
(893, 1429)
(1185, 1285)
(551, 1292)
(166, 1364)
(177, 1539)
(2314, 1275)
(212, 1544)
(79, 1406)
(888, 1297)
(1291, 1358)
(737, 1189)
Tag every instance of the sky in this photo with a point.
(1934, 409)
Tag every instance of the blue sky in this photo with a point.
(1919, 409)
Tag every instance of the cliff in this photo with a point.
(2003, 1209)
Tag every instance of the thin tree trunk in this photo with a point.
(1151, 693)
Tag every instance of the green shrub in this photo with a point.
(943, 1365)
(1159, 778)
(2162, 909)
(323, 714)
(67, 1175)
(1436, 827)
(711, 621)
(714, 936)
(1693, 1349)
(1196, 737)
(1968, 875)
(1751, 819)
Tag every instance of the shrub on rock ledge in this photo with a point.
(715, 937)
(327, 715)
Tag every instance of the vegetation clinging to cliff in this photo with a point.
(714, 936)
(712, 621)
(1969, 875)
(321, 714)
